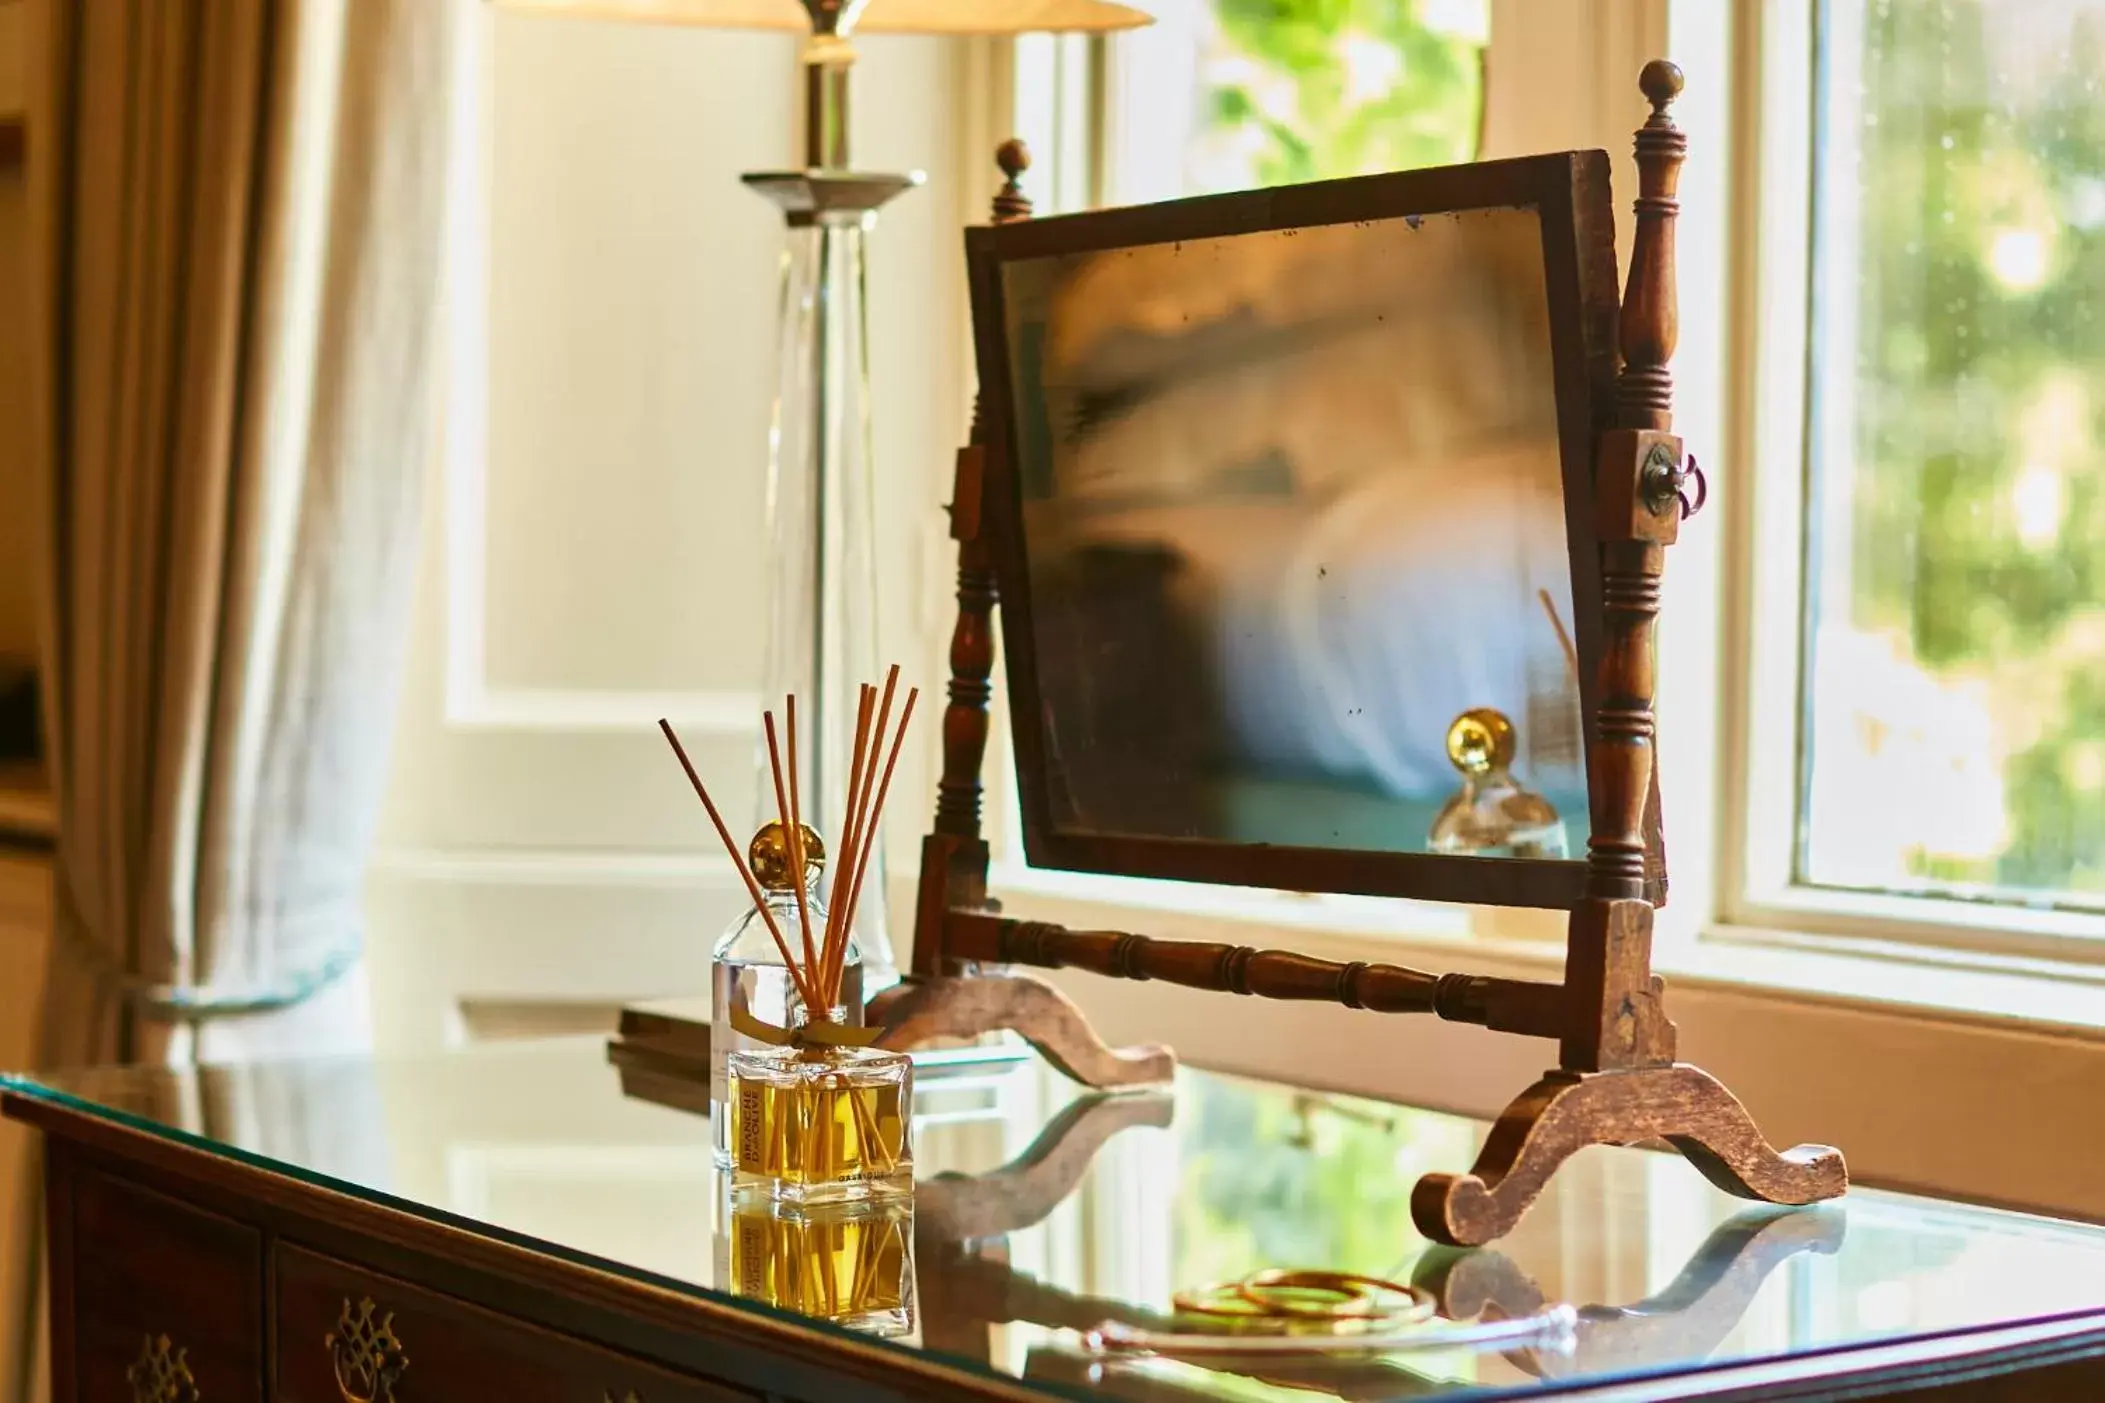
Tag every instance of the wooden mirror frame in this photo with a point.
(1567, 193)
(1617, 1080)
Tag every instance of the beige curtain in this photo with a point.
(236, 217)
(235, 234)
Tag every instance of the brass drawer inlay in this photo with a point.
(162, 1374)
(365, 1354)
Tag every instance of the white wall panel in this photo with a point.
(595, 549)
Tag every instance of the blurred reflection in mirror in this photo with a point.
(1292, 502)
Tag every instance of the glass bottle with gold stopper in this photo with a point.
(823, 1118)
(1493, 814)
(747, 973)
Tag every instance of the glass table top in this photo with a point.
(1040, 1211)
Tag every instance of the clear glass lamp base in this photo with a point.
(821, 621)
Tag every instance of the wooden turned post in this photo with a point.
(1616, 1018)
(1617, 1082)
(954, 854)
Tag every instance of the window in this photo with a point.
(1921, 187)
(1235, 94)
(1952, 731)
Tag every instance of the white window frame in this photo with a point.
(1761, 891)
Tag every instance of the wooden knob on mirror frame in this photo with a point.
(1660, 82)
(1010, 203)
(1013, 157)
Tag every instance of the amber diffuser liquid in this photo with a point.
(763, 986)
(822, 1124)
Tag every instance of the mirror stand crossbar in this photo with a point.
(1504, 1005)
(1617, 1080)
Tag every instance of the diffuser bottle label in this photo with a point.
(751, 1122)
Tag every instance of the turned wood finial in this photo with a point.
(1639, 476)
(1011, 206)
(1660, 82)
(1010, 203)
(1651, 319)
(959, 792)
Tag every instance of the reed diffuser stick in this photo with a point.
(796, 811)
(873, 759)
(738, 861)
(884, 788)
(787, 813)
(1571, 654)
(866, 699)
(837, 934)
(849, 877)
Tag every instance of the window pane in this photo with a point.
(1955, 718)
(1235, 94)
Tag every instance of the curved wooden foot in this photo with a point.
(922, 1011)
(1565, 1111)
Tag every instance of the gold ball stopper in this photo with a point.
(768, 855)
(1480, 741)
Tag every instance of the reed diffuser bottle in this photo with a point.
(815, 1114)
(822, 1121)
(747, 978)
(1493, 814)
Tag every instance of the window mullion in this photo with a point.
(1766, 498)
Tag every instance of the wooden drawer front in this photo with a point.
(347, 1335)
(168, 1299)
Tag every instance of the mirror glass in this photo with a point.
(1295, 539)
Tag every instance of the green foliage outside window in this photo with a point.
(1312, 89)
(1976, 486)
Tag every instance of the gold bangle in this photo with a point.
(1351, 1287)
(1263, 1298)
(1223, 1298)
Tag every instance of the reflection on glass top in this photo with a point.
(1039, 1209)
(1293, 504)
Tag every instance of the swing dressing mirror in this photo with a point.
(1290, 498)
(1062, 508)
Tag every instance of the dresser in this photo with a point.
(26, 834)
(527, 1223)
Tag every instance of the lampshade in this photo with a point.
(984, 17)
